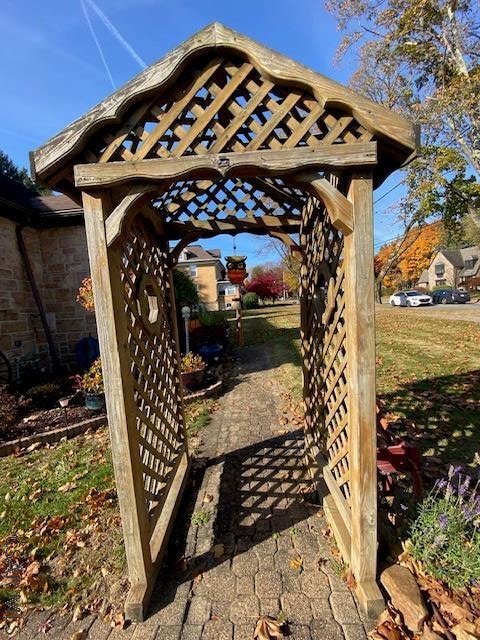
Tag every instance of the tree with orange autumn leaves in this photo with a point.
(411, 262)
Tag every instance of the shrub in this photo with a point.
(209, 318)
(445, 536)
(92, 381)
(250, 301)
(85, 294)
(9, 409)
(44, 395)
(191, 362)
(185, 292)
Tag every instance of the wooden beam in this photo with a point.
(180, 246)
(287, 240)
(338, 206)
(263, 225)
(136, 198)
(359, 321)
(119, 393)
(246, 164)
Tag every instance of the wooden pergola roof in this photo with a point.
(324, 111)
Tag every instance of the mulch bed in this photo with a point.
(44, 420)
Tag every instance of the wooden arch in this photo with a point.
(225, 136)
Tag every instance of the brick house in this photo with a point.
(452, 267)
(207, 270)
(52, 233)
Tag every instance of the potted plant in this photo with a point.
(192, 369)
(91, 384)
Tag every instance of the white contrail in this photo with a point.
(117, 34)
(87, 17)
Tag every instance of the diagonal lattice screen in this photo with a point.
(325, 352)
(153, 359)
(226, 197)
(223, 105)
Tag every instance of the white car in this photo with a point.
(409, 299)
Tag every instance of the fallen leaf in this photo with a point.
(268, 628)
(118, 621)
(207, 498)
(68, 486)
(77, 613)
(296, 563)
(218, 551)
(46, 626)
(350, 580)
(79, 635)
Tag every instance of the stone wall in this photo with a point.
(59, 261)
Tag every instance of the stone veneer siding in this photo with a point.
(59, 261)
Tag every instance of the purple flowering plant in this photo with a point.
(445, 536)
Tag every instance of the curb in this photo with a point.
(203, 393)
(53, 436)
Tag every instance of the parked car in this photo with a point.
(450, 296)
(409, 299)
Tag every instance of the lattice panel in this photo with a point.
(230, 199)
(325, 356)
(223, 105)
(153, 359)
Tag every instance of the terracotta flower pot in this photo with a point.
(192, 379)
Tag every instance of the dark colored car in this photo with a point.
(450, 296)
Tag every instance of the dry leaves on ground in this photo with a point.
(268, 628)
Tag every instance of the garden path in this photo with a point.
(260, 552)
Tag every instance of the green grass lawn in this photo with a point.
(60, 529)
(428, 372)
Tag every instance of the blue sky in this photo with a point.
(52, 71)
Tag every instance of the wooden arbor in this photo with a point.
(225, 136)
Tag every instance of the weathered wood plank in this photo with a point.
(247, 164)
(359, 316)
(137, 196)
(338, 206)
(263, 225)
(113, 338)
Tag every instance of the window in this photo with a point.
(230, 291)
(193, 270)
(470, 263)
(439, 269)
(440, 282)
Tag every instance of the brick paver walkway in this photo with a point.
(238, 565)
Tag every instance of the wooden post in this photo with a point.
(114, 349)
(359, 316)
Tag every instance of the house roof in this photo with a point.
(196, 252)
(453, 256)
(396, 137)
(467, 254)
(25, 207)
(54, 204)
